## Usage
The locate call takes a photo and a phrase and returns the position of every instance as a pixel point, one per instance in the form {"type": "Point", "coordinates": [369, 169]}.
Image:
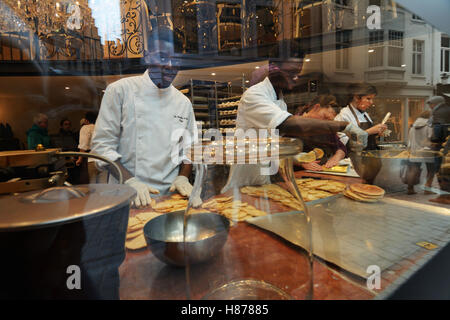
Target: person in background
{"type": "Point", "coordinates": [418, 140]}
{"type": "Point", "coordinates": [439, 122]}
{"type": "Point", "coordinates": [38, 133]}
{"type": "Point", "coordinates": [88, 165]}
{"type": "Point", "coordinates": [145, 121]}
{"type": "Point", "coordinates": [360, 100]}
{"type": "Point", "coordinates": [262, 106]}
{"type": "Point", "coordinates": [65, 139]}
{"type": "Point", "coordinates": [322, 108]}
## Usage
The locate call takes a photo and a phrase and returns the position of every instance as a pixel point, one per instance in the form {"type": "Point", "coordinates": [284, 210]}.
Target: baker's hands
{"type": "Point", "coordinates": [332, 162]}
{"type": "Point", "coordinates": [182, 185]}
{"type": "Point", "coordinates": [313, 166]}
{"type": "Point", "coordinates": [377, 129]}
{"type": "Point", "coordinates": [143, 198]}
{"type": "Point", "coordinates": [353, 131]}
{"type": "Point", "coordinates": [196, 202]}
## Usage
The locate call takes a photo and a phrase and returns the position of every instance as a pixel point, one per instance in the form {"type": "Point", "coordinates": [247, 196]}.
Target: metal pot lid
{"type": "Point", "coordinates": [55, 206]}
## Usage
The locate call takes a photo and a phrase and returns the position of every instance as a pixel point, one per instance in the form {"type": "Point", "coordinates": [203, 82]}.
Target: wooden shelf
{"type": "Point", "coordinates": [201, 115]}
{"type": "Point", "coordinates": [225, 116]}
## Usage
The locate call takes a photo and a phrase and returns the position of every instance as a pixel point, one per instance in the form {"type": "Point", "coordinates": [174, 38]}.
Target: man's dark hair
{"type": "Point", "coordinates": [91, 116]}
{"type": "Point", "coordinates": [62, 121]}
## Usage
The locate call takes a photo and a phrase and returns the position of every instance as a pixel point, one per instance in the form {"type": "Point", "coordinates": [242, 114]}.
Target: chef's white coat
{"type": "Point", "coordinates": [258, 108]}
{"type": "Point", "coordinates": [86, 133]}
{"type": "Point", "coordinates": [346, 115]}
{"type": "Point", "coordinates": [142, 126]}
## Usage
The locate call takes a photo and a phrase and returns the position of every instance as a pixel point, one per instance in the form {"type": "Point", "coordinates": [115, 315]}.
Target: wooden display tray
{"type": "Point", "coordinates": [26, 158]}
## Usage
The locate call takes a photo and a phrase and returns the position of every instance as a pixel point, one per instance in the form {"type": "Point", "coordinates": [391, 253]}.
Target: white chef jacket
{"type": "Point", "coordinates": [260, 109]}
{"type": "Point", "coordinates": [347, 115]}
{"type": "Point", "coordinates": [257, 109]}
{"type": "Point", "coordinates": [142, 126]}
{"type": "Point", "coordinates": [85, 141]}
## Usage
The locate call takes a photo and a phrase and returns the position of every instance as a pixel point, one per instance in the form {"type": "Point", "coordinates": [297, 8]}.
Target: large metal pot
{"type": "Point", "coordinates": [383, 167]}
{"type": "Point", "coordinates": [43, 233]}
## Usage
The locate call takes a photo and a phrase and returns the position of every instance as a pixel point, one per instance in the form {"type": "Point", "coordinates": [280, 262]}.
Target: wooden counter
{"type": "Point", "coordinates": [260, 255]}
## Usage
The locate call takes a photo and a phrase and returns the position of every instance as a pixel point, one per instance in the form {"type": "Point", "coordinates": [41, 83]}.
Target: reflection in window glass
{"type": "Point", "coordinates": [64, 58]}
{"type": "Point", "coordinates": [445, 54]}
{"type": "Point", "coordinates": [396, 107]}
{"type": "Point", "coordinates": [417, 57]}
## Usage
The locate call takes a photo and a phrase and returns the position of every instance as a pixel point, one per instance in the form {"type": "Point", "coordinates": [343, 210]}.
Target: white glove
{"type": "Point", "coordinates": [361, 137]}
{"type": "Point", "coordinates": [197, 202]}
{"type": "Point", "coordinates": [386, 133]}
{"type": "Point", "coordinates": [182, 185]}
{"type": "Point", "coordinates": [143, 198]}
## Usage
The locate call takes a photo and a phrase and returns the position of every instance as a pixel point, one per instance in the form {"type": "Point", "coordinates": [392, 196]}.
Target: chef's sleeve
{"type": "Point", "coordinates": [84, 139]}
{"type": "Point", "coordinates": [105, 141]}
{"type": "Point", "coordinates": [193, 133]}
{"type": "Point", "coordinates": [343, 116]}
{"type": "Point", "coordinates": [261, 112]}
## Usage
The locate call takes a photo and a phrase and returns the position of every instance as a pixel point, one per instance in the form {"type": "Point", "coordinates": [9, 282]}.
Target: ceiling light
{"type": "Point", "coordinates": [307, 60]}
{"type": "Point", "coordinates": [213, 74]}
{"type": "Point", "coordinates": [403, 65]}
{"type": "Point", "coordinates": [247, 81]}
{"type": "Point", "coordinates": [371, 50]}
{"type": "Point", "coordinates": [257, 67]}
{"type": "Point", "coordinates": [67, 88]}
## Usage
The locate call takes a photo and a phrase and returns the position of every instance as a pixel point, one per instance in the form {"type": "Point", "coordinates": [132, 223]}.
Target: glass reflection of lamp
{"type": "Point", "coordinates": [46, 16]}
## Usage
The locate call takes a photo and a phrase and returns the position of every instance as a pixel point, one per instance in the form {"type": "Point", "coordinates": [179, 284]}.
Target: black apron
{"type": "Point", "coordinates": [371, 166]}
{"type": "Point", "coordinates": [371, 139]}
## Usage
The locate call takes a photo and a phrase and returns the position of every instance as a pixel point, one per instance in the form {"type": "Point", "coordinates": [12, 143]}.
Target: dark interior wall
{"type": "Point", "coordinates": [18, 111]}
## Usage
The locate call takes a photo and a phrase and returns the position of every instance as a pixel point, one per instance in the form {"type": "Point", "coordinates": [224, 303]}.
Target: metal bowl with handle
{"type": "Point", "coordinates": [206, 234]}
{"type": "Point", "coordinates": [383, 167]}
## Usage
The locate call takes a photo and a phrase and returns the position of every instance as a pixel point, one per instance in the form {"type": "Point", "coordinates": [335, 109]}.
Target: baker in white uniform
{"type": "Point", "coordinates": [262, 107]}
{"type": "Point", "coordinates": [361, 98]}
{"type": "Point", "coordinates": [143, 124]}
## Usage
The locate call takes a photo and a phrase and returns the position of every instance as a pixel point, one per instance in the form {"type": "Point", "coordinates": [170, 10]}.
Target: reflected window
{"type": "Point", "coordinates": [417, 58]}
{"type": "Point", "coordinates": [343, 44]}
{"type": "Point", "coordinates": [396, 124]}
{"type": "Point", "coordinates": [376, 49]}
{"type": "Point", "coordinates": [445, 54]}
{"type": "Point", "coordinates": [417, 18]}
{"type": "Point", "coordinates": [416, 107]}
{"type": "Point", "coordinates": [343, 3]}
{"type": "Point", "coordinates": [395, 51]}
{"type": "Point", "coordinates": [229, 29]}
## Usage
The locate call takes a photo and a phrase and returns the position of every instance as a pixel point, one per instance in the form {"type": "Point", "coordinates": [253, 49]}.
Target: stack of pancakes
{"type": "Point", "coordinates": [364, 192]}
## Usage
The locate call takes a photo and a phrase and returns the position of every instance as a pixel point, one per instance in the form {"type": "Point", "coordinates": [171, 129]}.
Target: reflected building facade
{"type": "Point", "coordinates": [406, 58]}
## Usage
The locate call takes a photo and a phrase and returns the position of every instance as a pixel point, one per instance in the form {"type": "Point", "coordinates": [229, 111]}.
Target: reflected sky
{"type": "Point", "coordinates": [107, 19]}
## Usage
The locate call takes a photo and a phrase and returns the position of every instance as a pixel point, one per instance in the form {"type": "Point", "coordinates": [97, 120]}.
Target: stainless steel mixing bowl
{"type": "Point", "coordinates": [381, 168]}
{"type": "Point", "coordinates": [206, 234]}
